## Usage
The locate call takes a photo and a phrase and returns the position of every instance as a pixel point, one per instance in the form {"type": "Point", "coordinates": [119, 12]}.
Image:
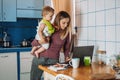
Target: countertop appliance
{"type": "Point", "coordinates": [6, 40]}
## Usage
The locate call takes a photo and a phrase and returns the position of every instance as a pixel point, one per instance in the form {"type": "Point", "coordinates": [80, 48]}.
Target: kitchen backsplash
{"type": "Point", "coordinates": [20, 30]}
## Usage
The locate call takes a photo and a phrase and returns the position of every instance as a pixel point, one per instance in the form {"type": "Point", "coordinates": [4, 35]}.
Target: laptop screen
{"type": "Point", "coordinates": [81, 51]}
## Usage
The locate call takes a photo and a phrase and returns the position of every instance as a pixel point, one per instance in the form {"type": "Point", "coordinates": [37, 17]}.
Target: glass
{"type": "Point", "coordinates": [87, 60]}
{"type": "Point", "coordinates": [101, 56]}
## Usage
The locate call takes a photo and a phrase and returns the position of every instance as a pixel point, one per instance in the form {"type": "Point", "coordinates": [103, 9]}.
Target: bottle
{"type": "Point", "coordinates": [24, 43]}
{"type": "Point", "coordinates": [101, 56]}
{"type": "Point", "coordinates": [6, 40]}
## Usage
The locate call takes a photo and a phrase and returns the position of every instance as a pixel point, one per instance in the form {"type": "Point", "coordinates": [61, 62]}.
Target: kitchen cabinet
{"type": "Point", "coordinates": [7, 10]}
{"type": "Point", "coordinates": [25, 65]}
{"type": "Point", "coordinates": [8, 66]}
{"type": "Point", "coordinates": [31, 9]}
{"type": "Point", "coordinates": [48, 76]}
{"type": "Point", "coordinates": [0, 10]}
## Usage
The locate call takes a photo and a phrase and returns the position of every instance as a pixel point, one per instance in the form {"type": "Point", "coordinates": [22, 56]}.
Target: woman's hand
{"type": "Point", "coordinates": [67, 59]}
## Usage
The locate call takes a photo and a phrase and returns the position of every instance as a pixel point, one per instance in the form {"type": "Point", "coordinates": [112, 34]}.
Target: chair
{"type": "Point", "coordinates": [63, 77]}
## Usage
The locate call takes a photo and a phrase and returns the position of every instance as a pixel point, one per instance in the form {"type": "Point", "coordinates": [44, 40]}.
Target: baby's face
{"type": "Point", "coordinates": [49, 16]}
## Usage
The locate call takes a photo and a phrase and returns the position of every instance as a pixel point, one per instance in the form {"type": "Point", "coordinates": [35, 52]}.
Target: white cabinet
{"type": "Point", "coordinates": [48, 76]}
{"type": "Point", "coordinates": [29, 8]}
{"type": "Point", "coordinates": [8, 10]}
{"type": "Point", "coordinates": [25, 65]}
{"type": "Point", "coordinates": [8, 66]}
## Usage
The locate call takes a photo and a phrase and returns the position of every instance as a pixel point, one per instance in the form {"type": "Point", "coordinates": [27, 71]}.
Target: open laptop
{"type": "Point", "coordinates": [81, 51]}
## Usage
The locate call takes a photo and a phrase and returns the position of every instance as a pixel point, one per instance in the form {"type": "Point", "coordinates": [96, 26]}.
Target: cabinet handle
{"type": "Point", "coordinates": [4, 18]}
{"type": "Point", "coordinates": [4, 14]}
{"type": "Point", "coordinates": [4, 56]}
{"type": "Point", "coordinates": [25, 73]}
{"type": "Point", "coordinates": [0, 16]}
{"type": "Point", "coordinates": [29, 6]}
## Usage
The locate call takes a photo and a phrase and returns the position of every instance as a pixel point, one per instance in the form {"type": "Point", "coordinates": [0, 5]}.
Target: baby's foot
{"type": "Point", "coordinates": [32, 52]}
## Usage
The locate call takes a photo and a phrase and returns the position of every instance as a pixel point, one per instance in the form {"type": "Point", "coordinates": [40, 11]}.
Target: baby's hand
{"type": "Point", "coordinates": [67, 59]}
{"type": "Point", "coordinates": [48, 39]}
{"type": "Point", "coordinates": [42, 41]}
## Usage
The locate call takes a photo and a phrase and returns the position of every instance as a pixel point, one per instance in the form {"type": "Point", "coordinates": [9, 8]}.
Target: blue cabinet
{"type": "Point", "coordinates": [30, 4]}
{"type": "Point", "coordinates": [7, 10]}
{"type": "Point", "coordinates": [29, 8]}
{"type": "Point", "coordinates": [0, 10]}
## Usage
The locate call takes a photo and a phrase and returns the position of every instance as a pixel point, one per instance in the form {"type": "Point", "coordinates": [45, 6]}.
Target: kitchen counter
{"type": "Point", "coordinates": [15, 49]}
{"type": "Point", "coordinates": [81, 73]}
{"type": "Point", "coordinates": [21, 56]}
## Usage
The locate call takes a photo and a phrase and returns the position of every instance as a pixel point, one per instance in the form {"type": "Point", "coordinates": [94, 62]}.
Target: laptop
{"type": "Point", "coordinates": [81, 51]}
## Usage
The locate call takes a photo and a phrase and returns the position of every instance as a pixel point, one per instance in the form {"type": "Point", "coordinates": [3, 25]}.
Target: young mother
{"type": "Point", "coordinates": [60, 39]}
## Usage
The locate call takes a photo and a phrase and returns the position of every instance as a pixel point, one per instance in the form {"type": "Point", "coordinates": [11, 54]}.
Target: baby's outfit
{"type": "Point", "coordinates": [48, 31]}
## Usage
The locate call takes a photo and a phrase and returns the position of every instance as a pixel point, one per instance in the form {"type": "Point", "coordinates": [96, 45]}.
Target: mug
{"type": "Point", "coordinates": [87, 60]}
{"type": "Point", "coordinates": [74, 62]}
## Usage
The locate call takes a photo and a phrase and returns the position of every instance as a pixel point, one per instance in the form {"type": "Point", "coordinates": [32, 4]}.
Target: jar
{"type": "Point", "coordinates": [101, 56]}
{"type": "Point", "coordinates": [24, 43]}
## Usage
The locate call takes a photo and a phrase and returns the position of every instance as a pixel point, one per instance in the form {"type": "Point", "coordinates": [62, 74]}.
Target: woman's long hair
{"type": "Point", "coordinates": [61, 15]}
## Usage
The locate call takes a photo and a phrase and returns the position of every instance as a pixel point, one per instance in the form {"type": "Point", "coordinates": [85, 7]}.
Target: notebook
{"type": "Point", "coordinates": [81, 51]}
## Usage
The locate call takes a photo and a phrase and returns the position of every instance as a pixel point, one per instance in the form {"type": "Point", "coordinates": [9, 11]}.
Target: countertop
{"type": "Point", "coordinates": [15, 49]}
{"type": "Point", "coordinates": [83, 72]}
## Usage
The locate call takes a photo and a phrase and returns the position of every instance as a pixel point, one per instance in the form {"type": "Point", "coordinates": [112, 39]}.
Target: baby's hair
{"type": "Point", "coordinates": [46, 10]}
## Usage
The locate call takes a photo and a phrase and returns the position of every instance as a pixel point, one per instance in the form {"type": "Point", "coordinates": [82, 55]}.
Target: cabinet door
{"type": "Point", "coordinates": [48, 76]}
{"type": "Point", "coordinates": [30, 4]}
{"type": "Point", "coordinates": [25, 65]}
{"type": "Point", "coordinates": [8, 66]}
{"type": "Point", "coordinates": [25, 76]}
{"type": "Point", "coordinates": [0, 10]}
{"type": "Point", "coordinates": [29, 10]}
{"type": "Point", "coordinates": [28, 14]}
{"type": "Point", "coordinates": [9, 10]}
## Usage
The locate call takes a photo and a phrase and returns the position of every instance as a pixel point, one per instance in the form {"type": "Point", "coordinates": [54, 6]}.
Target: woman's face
{"type": "Point", "coordinates": [64, 23]}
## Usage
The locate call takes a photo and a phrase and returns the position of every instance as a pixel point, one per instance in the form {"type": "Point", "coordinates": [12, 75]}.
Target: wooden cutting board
{"type": "Point", "coordinates": [103, 76]}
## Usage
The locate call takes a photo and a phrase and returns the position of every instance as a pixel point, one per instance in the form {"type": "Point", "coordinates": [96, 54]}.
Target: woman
{"type": "Point", "coordinates": [60, 39]}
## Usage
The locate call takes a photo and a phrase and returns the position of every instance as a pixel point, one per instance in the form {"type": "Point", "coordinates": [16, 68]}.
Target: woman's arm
{"type": "Point", "coordinates": [67, 49]}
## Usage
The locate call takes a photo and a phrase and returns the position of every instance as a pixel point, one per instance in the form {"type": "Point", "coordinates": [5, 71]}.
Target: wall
{"type": "Point", "coordinates": [98, 23]}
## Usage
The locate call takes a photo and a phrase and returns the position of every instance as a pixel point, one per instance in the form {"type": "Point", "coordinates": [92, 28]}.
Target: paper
{"type": "Point", "coordinates": [58, 66]}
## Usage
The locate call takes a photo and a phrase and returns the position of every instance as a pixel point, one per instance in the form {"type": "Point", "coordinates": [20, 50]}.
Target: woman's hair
{"type": "Point", "coordinates": [61, 15]}
{"type": "Point", "coordinates": [46, 10]}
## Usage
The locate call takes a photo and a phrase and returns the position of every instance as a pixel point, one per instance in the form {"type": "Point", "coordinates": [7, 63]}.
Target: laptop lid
{"type": "Point", "coordinates": [81, 51]}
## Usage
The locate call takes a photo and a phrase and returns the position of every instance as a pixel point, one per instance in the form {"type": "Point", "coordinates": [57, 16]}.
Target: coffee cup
{"type": "Point", "coordinates": [74, 62]}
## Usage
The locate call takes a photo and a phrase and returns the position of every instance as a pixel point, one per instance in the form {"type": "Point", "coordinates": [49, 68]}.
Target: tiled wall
{"type": "Point", "coordinates": [98, 23]}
